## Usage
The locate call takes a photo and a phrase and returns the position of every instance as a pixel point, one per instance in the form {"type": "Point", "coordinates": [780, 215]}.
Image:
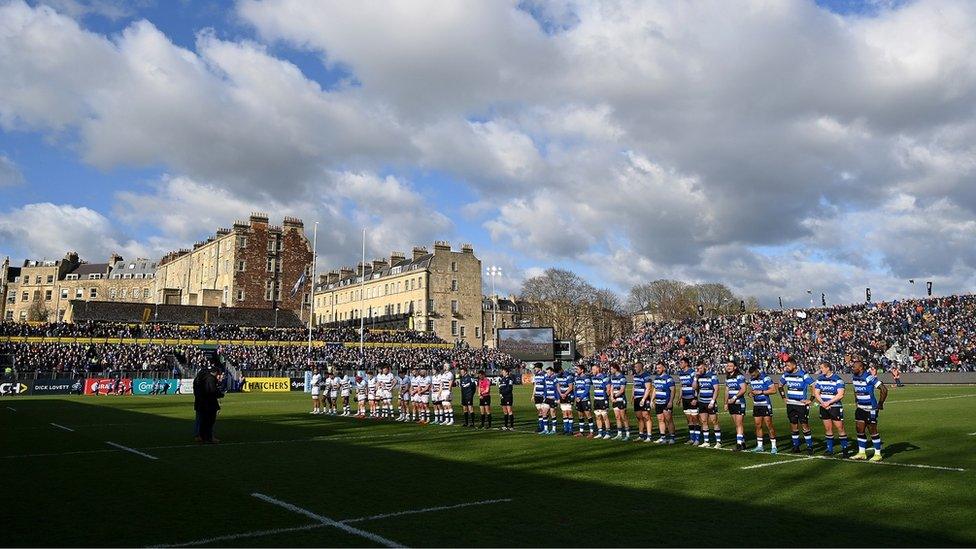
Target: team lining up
{"type": "Point", "coordinates": [426, 398]}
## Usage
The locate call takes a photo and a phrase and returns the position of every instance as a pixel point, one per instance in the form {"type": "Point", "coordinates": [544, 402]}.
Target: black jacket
{"type": "Point", "coordinates": [206, 391]}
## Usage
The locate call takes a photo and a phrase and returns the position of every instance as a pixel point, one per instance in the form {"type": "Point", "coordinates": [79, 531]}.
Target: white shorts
{"type": "Point", "coordinates": [386, 395]}
{"type": "Point", "coordinates": [345, 393]}
{"type": "Point", "coordinates": [371, 396]}
{"type": "Point", "coordinates": [333, 394]}
{"type": "Point", "coordinates": [360, 398]}
{"type": "Point", "coordinates": [566, 407]}
{"type": "Point", "coordinates": [315, 392]}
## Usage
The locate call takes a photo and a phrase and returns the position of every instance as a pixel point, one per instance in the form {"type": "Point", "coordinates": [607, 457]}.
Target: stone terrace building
{"type": "Point", "coordinates": [33, 293]}
{"type": "Point", "coordinates": [253, 265]}
{"type": "Point", "coordinates": [436, 292]}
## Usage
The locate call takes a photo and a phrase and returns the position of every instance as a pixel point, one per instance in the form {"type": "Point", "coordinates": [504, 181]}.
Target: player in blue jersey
{"type": "Point", "coordinates": [829, 393]}
{"type": "Point", "coordinates": [618, 395]}
{"type": "Point", "coordinates": [643, 395]}
{"type": "Point", "coordinates": [564, 388]}
{"type": "Point", "coordinates": [735, 401]}
{"type": "Point", "coordinates": [549, 397]}
{"type": "Point", "coordinates": [538, 390]}
{"type": "Point", "coordinates": [584, 412]}
{"type": "Point", "coordinates": [707, 394]}
{"type": "Point", "coordinates": [868, 405]}
{"type": "Point", "coordinates": [761, 387]}
{"type": "Point", "coordinates": [664, 403]}
{"type": "Point", "coordinates": [686, 375]}
{"type": "Point", "coordinates": [793, 386]}
{"type": "Point", "coordinates": [601, 401]}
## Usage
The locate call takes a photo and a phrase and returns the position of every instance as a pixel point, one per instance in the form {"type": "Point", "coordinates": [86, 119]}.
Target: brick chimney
{"type": "Point", "coordinates": [442, 246]}
{"type": "Point", "coordinates": [345, 273]}
{"type": "Point", "coordinates": [419, 251]}
{"type": "Point", "coordinates": [379, 264]}
{"type": "Point", "coordinates": [333, 276]}
{"type": "Point", "coordinates": [467, 249]}
{"type": "Point", "coordinates": [396, 257]}
{"type": "Point", "coordinates": [258, 219]}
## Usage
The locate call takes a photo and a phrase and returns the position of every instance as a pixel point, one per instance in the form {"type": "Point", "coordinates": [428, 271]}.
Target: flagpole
{"type": "Point", "coordinates": [362, 319]}
{"type": "Point", "coordinates": [311, 306]}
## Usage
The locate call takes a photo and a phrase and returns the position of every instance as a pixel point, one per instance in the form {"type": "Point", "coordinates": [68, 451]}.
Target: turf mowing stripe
{"type": "Point", "coordinates": [55, 454]}
{"type": "Point", "coordinates": [770, 464]}
{"type": "Point", "coordinates": [133, 450]}
{"type": "Point", "coordinates": [426, 510]}
{"type": "Point", "coordinates": [243, 535]}
{"type": "Point", "coordinates": [327, 521]}
{"type": "Point", "coordinates": [63, 427]}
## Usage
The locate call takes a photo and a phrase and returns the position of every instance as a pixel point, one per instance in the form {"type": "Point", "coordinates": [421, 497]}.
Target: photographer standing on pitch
{"type": "Point", "coordinates": [207, 391]}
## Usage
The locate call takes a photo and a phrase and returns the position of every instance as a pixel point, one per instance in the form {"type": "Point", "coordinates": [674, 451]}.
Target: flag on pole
{"type": "Point", "coordinates": [299, 284]}
{"type": "Point", "coordinates": [928, 286]}
{"type": "Point", "coordinates": [911, 281]}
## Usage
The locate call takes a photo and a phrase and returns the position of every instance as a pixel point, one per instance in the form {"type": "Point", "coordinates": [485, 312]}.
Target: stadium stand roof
{"type": "Point", "coordinates": [135, 313]}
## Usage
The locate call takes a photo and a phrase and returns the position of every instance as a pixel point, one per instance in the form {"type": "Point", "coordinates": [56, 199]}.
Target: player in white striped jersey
{"type": "Point", "coordinates": [345, 388]}
{"type": "Point", "coordinates": [384, 392]}
{"type": "Point", "coordinates": [333, 383]}
{"type": "Point", "coordinates": [361, 389]}
{"type": "Point", "coordinates": [435, 398]}
{"type": "Point", "coordinates": [422, 396]}
{"type": "Point", "coordinates": [447, 382]}
{"type": "Point", "coordinates": [316, 391]}
{"type": "Point", "coordinates": [371, 393]}
{"type": "Point", "coordinates": [404, 383]}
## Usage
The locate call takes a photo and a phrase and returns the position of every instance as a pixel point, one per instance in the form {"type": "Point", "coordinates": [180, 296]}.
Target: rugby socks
{"type": "Point", "coordinates": [862, 443]}
{"type": "Point", "coordinates": [466, 414]}
{"type": "Point", "coordinates": [569, 426]}
{"type": "Point", "coordinates": [808, 437]}
{"type": "Point", "coordinates": [704, 436]}
{"type": "Point", "coordinates": [795, 435]}
{"type": "Point", "coordinates": [830, 445]}
{"type": "Point", "coordinates": [759, 442]}
{"type": "Point", "coordinates": [511, 421]}
{"type": "Point", "coordinates": [582, 426]}
{"type": "Point", "coordinates": [740, 439]}
{"type": "Point", "coordinates": [876, 439]}
{"type": "Point", "coordinates": [843, 442]}
{"type": "Point", "coordinates": [718, 436]}
{"type": "Point", "coordinates": [489, 420]}
{"type": "Point", "coordinates": [772, 444]}
{"type": "Point", "coordinates": [591, 426]}
{"type": "Point", "coordinates": [482, 421]}
{"type": "Point", "coordinates": [542, 425]}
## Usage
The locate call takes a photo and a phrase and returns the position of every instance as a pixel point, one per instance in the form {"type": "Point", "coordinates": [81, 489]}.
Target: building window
{"type": "Point", "coordinates": [9, 315]}
{"type": "Point", "coordinates": [271, 244]}
{"type": "Point", "coordinates": [454, 327]}
{"type": "Point", "coordinates": [64, 293]}
{"type": "Point", "coordinates": [50, 279]}
{"type": "Point", "coordinates": [98, 276]}
{"type": "Point", "coordinates": [430, 305]}
{"type": "Point", "coordinates": [462, 331]}
{"type": "Point", "coordinates": [112, 293]}
{"type": "Point", "coordinates": [455, 306]}
{"type": "Point", "coordinates": [242, 242]}
{"type": "Point", "coordinates": [47, 295]}
{"type": "Point", "coordinates": [430, 325]}
{"type": "Point", "coordinates": [241, 265]}
{"type": "Point", "coordinates": [270, 265]}
{"type": "Point", "coordinates": [240, 295]}
{"type": "Point", "coordinates": [268, 290]}
{"type": "Point", "coordinates": [79, 293]}
{"type": "Point", "coordinates": [127, 276]}
{"type": "Point", "coordinates": [93, 293]}
{"type": "Point", "coordinates": [24, 296]}
{"type": "Point", "coordinates": [37, 279]}
{"type": "Point", "coordinates": [71, 277]}
{"type": "Point", "coordinates": [477, 332]}
{"type": "Point", "coordinates": [420, 282]}
{"type": "Point", "coordinates": [145, 293]}
{"type": "Point", "coordinates": [454, 285]}
{"type": "Point", "coordinates": [23, 316]}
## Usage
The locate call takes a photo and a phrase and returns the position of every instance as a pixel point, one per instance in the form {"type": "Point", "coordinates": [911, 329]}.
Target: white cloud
{"type": "Point", "coordinates": [47, 231]}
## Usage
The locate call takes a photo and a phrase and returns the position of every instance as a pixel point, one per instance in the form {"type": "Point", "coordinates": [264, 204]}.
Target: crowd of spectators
{"type": "Point", "coordinates": [78, 360]}
{"type": "Point", "coordinates": [925, 335]}
{"type": "Point", "coordinates": [349, 358]}
{"type": "Point", "coordinates": [210, 331]}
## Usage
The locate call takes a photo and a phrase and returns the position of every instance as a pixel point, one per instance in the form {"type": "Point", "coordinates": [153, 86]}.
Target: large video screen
{"type": "Point", "coordinates": [527, 344]}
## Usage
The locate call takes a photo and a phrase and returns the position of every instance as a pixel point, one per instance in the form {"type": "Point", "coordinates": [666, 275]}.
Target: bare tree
{"type": "Point", "coordinates": [716, 299]}
{"type": "Point", "coordinates": [38, 312]}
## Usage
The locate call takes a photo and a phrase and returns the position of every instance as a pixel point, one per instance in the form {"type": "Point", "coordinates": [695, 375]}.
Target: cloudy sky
{"type": "Point", "coordinates": [777, 147]}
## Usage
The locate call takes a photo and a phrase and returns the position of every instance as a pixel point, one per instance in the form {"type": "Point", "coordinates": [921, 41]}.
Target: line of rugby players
{"type": "Point", "coordinates": [426, 398]}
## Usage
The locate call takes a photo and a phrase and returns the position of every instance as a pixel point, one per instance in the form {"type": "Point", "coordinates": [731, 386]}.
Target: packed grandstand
{"type": "Point", "coordinates": [929, 335]}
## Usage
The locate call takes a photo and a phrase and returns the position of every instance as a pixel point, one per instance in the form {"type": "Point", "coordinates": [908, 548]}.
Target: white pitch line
{"type": "Point", "coordinates": [327, 521]}
{"type": "Point", "coordinates": [63, 427]}
{"type": "Point", "coordinates": [853, 462]}
{"type": "Point", "coordinates": [317, 525]}
{"type": "Point", "coordinates": [243, 535]}
{"type": "Point", "coordinates": [930, 399]}
{"type": "Point", "coordinates": [11, 409]}
{"type": "Point", "coordinates": [133, 450]}
{"type": "Point", "coordinates": [425, 510]}
{"type": "Point", "coordinates": [770, 464]}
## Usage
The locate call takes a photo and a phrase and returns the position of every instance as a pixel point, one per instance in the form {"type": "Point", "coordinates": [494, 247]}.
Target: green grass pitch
{"type": "Point", "coordinates": [330, 477]}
